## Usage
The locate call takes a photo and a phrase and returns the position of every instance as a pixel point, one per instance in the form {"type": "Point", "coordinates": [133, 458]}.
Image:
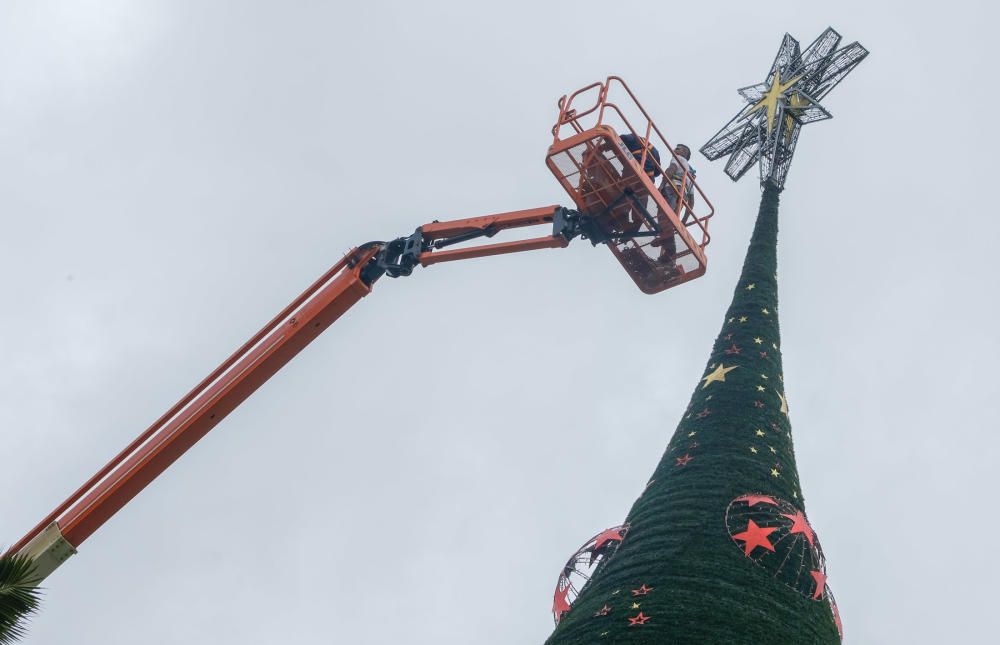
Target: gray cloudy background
{"type": "Point", "coordinates": [173, 173]}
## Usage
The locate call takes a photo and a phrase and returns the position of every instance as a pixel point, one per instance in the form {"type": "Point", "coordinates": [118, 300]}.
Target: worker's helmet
{"type": "Point", "coordinates": [683, 151]}
{"type": "Point", "coordinates": [636, 145]}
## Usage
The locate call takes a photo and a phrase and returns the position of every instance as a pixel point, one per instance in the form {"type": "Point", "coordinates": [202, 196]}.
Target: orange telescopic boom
{"type": "Point", "coordinates": [617, 204]}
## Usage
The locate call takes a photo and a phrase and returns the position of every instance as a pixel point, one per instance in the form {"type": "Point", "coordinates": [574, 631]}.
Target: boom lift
{"type": "Point", "coordinates": [617, 203]}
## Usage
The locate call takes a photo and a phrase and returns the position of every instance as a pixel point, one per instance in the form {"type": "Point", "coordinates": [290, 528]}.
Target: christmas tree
{"type": "Point", "coordinates": [718, 548]}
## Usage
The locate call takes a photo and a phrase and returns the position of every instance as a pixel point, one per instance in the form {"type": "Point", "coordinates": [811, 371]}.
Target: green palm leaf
{"type": "Point", "coordinates": [19, 596]}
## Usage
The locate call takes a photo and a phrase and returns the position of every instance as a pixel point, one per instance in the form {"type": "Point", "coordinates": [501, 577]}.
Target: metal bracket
{"type": "Point", "coordinates": [396, 258]}
{"type": "Point", "coordinates": [47, 551]}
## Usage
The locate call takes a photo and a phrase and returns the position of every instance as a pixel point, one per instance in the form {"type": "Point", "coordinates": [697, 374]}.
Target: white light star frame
{"type": "Point", "coordinates": [767, 129]}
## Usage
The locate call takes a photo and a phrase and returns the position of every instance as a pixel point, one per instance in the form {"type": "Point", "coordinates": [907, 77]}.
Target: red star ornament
{"type": "Point", "coordinates": [639, 619]}
{"type": "Point", "coordinates": [683, 461]}
{"type": "Point", "coordinates": [753, 500]}
{"type": "Point", "coordinates": [733, 350]}
{"type": "Point", "coordinates": [820, 579]}
{"type": "Point", "coordinates": [800, 525]}
{"type": "Point", "coordinates": [755, 536]}
{"type": "Point", "coordinates": [603, 611]}
{"type": "Point", "coordinates": [642, 591]}
{"type": "Point", "coordinates": [704, 413]}
{"type": "Point", "coordinates": [611, 535]}
{"type": "Point", "coordinates": [560, 605]}
{"type": "Point", "coordinates": [836, 617]}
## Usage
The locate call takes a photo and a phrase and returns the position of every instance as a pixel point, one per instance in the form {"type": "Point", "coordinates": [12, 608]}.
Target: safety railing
{"type": "Point", "coordinates": [613, 105]}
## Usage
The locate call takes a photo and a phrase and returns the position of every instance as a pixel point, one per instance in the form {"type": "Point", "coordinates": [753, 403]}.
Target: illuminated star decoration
{"type": "Point", "coordinates": [752, 500]}
{"type": "Point", "coordinates": [604, 540]}
{"type": "Point", "coordinates": [639, 619]}
{"type": "Point", "coordinates": [820, 578]}
{"type": "Point", "coordinates": [755, 536]}
{"type": "Point", "coordinates": [642, 591]}
{"type": "Point", "coordinates": [560, 604]}
{"type": "Point", "coordinates": [767, 129]}
{"type": "Point", "coordinates": [800, 525]}
{"type": "Point", "coordinates": [718, 375]}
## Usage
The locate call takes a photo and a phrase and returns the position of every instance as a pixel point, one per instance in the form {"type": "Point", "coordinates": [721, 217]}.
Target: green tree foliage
{"type": "Point", "coordinates": [19, 596]}
{"type": "Point", "coordinates": [718, 549]}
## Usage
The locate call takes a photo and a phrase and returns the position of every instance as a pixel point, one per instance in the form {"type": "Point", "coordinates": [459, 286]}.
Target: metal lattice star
{"type": "Point", "coordinates": [767, 129]}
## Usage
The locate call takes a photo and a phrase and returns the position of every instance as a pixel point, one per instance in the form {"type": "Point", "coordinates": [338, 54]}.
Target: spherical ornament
{"type": "Point", "coordinates": [581, 566]}
{"type": "Point", "coordinates": [776, 536]}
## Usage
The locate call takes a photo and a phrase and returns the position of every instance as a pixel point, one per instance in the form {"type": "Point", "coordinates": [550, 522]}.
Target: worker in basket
{"type": "Point", "coordinates": [636, 146]}
{"type": "Point", "coordinates": [601, 184]}
{"type": "Point", "coordinates": [678, 179]}
{"type": "Point", "coordinates": [639, 146]}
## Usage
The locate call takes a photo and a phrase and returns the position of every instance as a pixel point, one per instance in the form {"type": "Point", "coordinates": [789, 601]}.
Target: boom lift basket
{"type": "Point", "coordinates": [660, 246]}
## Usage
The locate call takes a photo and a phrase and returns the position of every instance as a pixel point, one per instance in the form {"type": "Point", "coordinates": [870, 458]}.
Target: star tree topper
{"type": "Point", "coordinates": [767, 129]}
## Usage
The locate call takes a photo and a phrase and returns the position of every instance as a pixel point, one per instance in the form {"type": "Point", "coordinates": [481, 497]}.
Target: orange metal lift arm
{"type": "Point", "coordinates": [56, 537]}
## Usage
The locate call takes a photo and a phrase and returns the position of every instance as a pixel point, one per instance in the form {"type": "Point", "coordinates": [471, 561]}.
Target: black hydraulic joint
{"type": "Point", "coordinates": [396, 258]}
{"type": "Point", "coordinates": [567, 223]}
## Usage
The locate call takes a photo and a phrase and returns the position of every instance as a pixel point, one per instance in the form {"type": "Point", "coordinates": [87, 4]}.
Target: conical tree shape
{"type": "Point", "coordinates": [718, 548]}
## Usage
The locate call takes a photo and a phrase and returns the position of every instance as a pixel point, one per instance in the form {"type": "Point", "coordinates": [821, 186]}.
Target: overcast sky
{"type": "Point", "coordinates": [173, 173]}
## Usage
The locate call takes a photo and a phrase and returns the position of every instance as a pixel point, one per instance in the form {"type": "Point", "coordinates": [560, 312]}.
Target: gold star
{"type": "Point", "coordinates": [758, 340]}
{"type": "Point", "coordinates": [775, 473]}
{"type": "Point", "coordinates": [750, 286]}
{"type": "Point", "coordinates": [773, 450]}
{"type": "Point", "coordinates": [795, 495]}
{"type": "Point", "coordinates": [764, 376]}
{"type": "Point", "coordinates": [615, 592]}
{"type": "Point", "coordinates": [692, 433]}
{"type": "Point", "coordinates": [789, 125]}
{"type": "Point", "coordinates": [764, 311]}
{"type": "Point", "coordinates": [784, 403]}
{"type": "Point", "coordinates": [731, 319]}
{"type": "Point", "coordinates": [753, 450]}
{"type": "Point", "coordinates": [718, 375]}
{"type": "Point", "coordinates": [743, 319]}
{"type": "Point", "coordinates": [774, 345]}
{"type": "Point", "coordinates": [760, 433]}
{"type": "Point", "coordinates": [769, 102]}
{"type": "Point", "coordinates": [760, 388]}
{"type": "Point", "coordinates": [708, 398]}
{"type": "Point", "coordinates": [635, 605]}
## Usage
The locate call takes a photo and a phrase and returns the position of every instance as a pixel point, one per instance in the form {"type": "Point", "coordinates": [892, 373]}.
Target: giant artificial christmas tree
{"type": "Point", "coordinates": [718, 548]}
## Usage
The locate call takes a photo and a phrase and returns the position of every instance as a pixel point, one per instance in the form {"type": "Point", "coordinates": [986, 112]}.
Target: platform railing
{"type": "Point", "coordinates": [607, 112]}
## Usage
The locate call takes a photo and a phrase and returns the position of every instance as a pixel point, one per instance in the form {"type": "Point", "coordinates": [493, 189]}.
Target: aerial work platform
{"type": "Point", "coordinates": [659, 245]}
{"type": "Point", "coordinates": [606, 155]}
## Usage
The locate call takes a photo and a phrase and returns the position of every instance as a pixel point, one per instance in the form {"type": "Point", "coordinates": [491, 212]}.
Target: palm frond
{"type": "Point", "coordinates": [19, 596]}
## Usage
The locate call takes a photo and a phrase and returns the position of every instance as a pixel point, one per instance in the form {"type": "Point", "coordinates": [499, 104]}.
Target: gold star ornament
{"type": "Point", "coordinates": [784, 403]}
{"type": "Point", "coordinates": [719, 375]}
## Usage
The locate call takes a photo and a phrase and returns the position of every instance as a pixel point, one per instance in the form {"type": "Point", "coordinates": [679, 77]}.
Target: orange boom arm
{"type": "Point", "coordinates": [656, 234]}
{"type": "Point", "coordinates": [58, 535]}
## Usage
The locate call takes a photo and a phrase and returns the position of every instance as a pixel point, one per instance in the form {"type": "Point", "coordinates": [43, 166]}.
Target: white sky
{"type": "Point", "coordinates": [173, 173]}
